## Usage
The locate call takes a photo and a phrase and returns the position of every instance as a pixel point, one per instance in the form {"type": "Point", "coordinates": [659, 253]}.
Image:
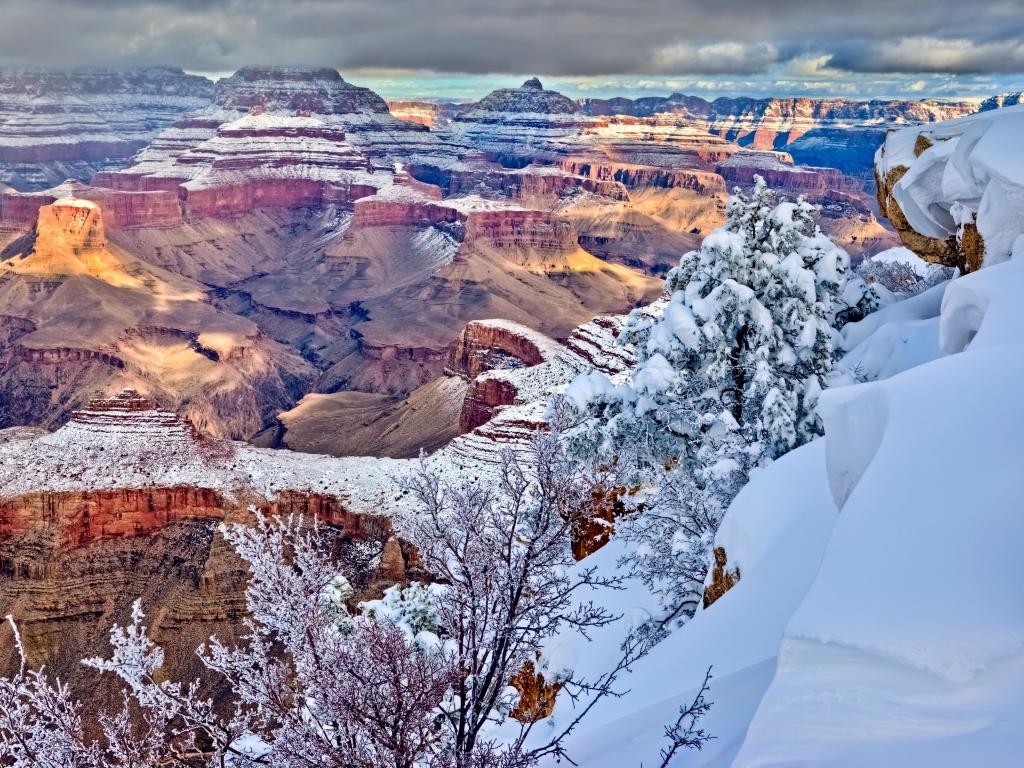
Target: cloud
{"type": "Point", "coordinates": [932, 54]}
{"type": "Point", "coordinates": [579, 38]}
{"type": "Point", "coordinates": [726, 57]}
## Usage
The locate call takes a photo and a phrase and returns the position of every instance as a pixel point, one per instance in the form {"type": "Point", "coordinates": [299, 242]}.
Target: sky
{"type": "Point", "coordinates": [461, 49]}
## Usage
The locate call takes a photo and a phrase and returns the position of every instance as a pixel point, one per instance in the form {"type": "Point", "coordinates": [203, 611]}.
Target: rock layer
{"type": "Point", "coordinates": [60, 124]}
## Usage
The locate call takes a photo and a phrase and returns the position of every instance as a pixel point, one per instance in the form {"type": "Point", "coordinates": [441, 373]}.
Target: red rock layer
{"type": "Point", "coordinates": [122, 209]}
{"type": "Point", "coordinates": [543, 232]}
{"type": "Point", "coordinates": [377, 211]}
{"type": "Point", "coordinates": [796, 180]}
{"type": "Point", "coordinates": [79, 518]}
{"type": "Point", "coordinates": [473, 350]}
{"type": "Point", "coordinates": [331, 511]}
{"type": "Point", "coordinates": [484, 398]}
{"type": "Point", "coordinates": [631, 175]}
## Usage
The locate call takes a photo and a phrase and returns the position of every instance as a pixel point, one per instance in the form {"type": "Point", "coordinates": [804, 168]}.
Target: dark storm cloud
{"type": "Point", "coordinates": [562, 37]}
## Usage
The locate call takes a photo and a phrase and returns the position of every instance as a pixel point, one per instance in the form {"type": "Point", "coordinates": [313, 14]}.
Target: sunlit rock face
{"type": "Point", "coordinates": [429, 113]}
{"type": "Point", "coordinates": [56, 124]}
{"type": "Point", "coordinates": [293, 237]}
{"type": "Point", "coordinates": [70, 224]}
{"type": "Point", "coordinates": [82, 314]}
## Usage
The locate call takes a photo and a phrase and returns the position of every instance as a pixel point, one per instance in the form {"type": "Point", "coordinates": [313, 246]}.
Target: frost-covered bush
{"type": "Point", "coordinates": [507, 583]}
{"type": "Point", "coordinates": [313, 685]}
{"type": "Point", "coordinates": [421, 678]}
{"type": "Point", "coordinates": [901, 271]}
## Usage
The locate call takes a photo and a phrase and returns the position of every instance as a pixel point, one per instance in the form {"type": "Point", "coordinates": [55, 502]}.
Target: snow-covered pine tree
{"type": "Point", "coordinates": [730, 366]}
{"type": "Point", "coordinates": [729, 370]}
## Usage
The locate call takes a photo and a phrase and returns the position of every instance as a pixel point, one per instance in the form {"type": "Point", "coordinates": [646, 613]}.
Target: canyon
{"type": "Point", "coordinates": [283, 233]}
{"type": "Point", "coordinates": [839, 133]}
{"type": "Point", "coordinates": [271, 293]}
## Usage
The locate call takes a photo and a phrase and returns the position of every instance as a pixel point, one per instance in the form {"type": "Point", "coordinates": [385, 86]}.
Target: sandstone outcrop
{"type": "Point", "coordinates": [511, 369]}
{"type": "Point", "coordinates": [633, 176]}
{"type": "Point", "coordinates": [487, 344]}
{"type": "Point", "coordinates": [432, 114]}
{"type": "Point", "coordinates": [948, 191]}
{"type": "Point", "coordinates": [536, 695]}
{"type": "Point", "coordinates": [722, 579]}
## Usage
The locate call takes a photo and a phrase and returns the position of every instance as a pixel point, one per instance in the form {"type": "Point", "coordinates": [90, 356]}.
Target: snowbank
{"type": "Point", "coordinates": [776, 531]}
{"type": "Point", "coordinates": [879, 619]}
{"type": "Point", "coordinates": [908, 649]}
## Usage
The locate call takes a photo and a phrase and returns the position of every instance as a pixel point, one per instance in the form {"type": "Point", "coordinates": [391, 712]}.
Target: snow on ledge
{"type": "Point", "coordinates": [971, 170]}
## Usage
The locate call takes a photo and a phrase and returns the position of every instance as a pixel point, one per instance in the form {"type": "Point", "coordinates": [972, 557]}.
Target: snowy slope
{"type": "Point", "coordinates": [879, 619]}
{"type": "Point", "coordinates": [777, 530]}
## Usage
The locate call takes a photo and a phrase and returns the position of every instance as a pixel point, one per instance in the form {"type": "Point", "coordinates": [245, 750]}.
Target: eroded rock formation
{"type": "Point", "coordinates": [839, 133]}
{"type": "Point", "coordinates": [88, 316]}
{"type": "Point", "coordinates": [60, 124]}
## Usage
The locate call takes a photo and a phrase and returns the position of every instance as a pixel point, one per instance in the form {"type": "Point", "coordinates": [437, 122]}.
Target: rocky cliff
{"type": "Point", "coordinates": [122, 503]}
{"type": "Point", "coordinates": [1002, 100]}
{"type": "Point", "coordinates": [839, 133]}
{"type": "Point", "coordinates": [56, 125]}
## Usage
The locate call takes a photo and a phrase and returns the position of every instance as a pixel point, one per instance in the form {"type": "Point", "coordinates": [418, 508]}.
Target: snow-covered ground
{"type": "Point", "coordinates": [879, 619]}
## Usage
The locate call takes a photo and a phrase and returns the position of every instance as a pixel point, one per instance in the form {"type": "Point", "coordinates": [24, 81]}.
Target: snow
{"type": "Point", "coordinates": [775, 531]}
{"type": "Point", "coordinates": [904, 256]}
{"type": "Point", "coordinates": [972, 172]}
{"type": "Point", "coordinates": [907, 649]}
{"type": "Point", "coordinates": [878, 620]}
{"type": "Point", "coordinates": [899, 336]}
{"type": "Point", "coordinates": [75, 202]}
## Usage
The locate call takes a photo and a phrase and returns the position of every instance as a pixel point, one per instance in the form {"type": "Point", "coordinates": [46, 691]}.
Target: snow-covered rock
{"type": "Point", "coordinates": [57, 124]}
{"type": "Point", "coordinates": [955, 190]}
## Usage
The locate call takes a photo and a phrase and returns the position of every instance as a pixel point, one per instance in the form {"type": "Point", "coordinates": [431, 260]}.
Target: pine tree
{"type": "Point", "coordinates": [731, 365]}
{"type": "Point", "coordinates": [729, 371]}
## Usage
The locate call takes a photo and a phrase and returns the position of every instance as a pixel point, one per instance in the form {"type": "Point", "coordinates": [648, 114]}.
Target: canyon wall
{"type": "Point", "coordinates": [56, 125]}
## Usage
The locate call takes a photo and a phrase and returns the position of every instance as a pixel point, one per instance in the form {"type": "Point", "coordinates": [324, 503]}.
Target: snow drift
{"type": "Point", "coordinates": [879, 618]}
